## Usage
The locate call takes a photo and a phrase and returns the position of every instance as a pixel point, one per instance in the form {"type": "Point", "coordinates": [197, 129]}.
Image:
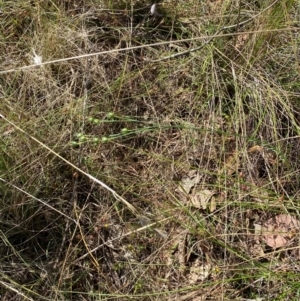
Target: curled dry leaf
{"type": "Point", "coordinates": [189, 181]}
{"type": "Point", "coordinates": [213, 204]}
{"type": "Point", "coordinates": [268, 156]}
{"type": "Point", "coordinates": [231, 164]}
{"type": "Point", "coordinates": [279, 230]}
{"type": "Point", "coordinates": [201, 198]}
{"type": "Point", "coordinates": [199, 272]}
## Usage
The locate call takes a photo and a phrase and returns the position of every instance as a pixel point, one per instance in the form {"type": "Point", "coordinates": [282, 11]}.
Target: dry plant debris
{"type": "Point", "coordinates": [280, 230]}
{"type": "Point", "coordinates": [189, 181]}
{"type": "Point", "coordinates": [190, 193]}
{"type": "Point", "coordinates": [201, 199]}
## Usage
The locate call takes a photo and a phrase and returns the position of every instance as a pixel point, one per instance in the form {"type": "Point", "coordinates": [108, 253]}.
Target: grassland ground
{"type": "Point", "coordinates": [149, 156]}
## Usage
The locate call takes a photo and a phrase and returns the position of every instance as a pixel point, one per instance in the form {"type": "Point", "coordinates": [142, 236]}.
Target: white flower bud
{"type": "Point", "coordinates": [153, 9]}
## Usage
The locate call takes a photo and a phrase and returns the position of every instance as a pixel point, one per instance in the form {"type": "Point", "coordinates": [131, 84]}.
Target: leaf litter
{"type": "Point", "coordinates": [280, 230]}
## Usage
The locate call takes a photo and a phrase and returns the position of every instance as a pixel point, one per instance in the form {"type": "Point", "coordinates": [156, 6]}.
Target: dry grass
{"type": "Point", "coordinates": [224, 118]}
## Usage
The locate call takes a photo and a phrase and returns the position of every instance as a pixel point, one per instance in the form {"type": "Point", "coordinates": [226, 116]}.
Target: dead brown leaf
{"type": "Point", "coordinates": [231, 164]}
{"type": "Point", "coordinates": [278, 231]}
{"type": "Point", "coordinates": [199, 272]}
{"type": "Point", "coordinates": [241, 41]}
{"type": "Point", "coordinates": [189, 181]}
{"type": "Point", "coordinates": [268, 156]}
{"type": "Point", "coordinates": [213, 204]}
{"type": "Point", "coordinates": [200, 199]}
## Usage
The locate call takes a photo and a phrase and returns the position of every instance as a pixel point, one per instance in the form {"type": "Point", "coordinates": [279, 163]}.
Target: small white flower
{"type": "Point", "coordinates": [153, 9]}
{"type": "Point", "coordinates": [37, 59]}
